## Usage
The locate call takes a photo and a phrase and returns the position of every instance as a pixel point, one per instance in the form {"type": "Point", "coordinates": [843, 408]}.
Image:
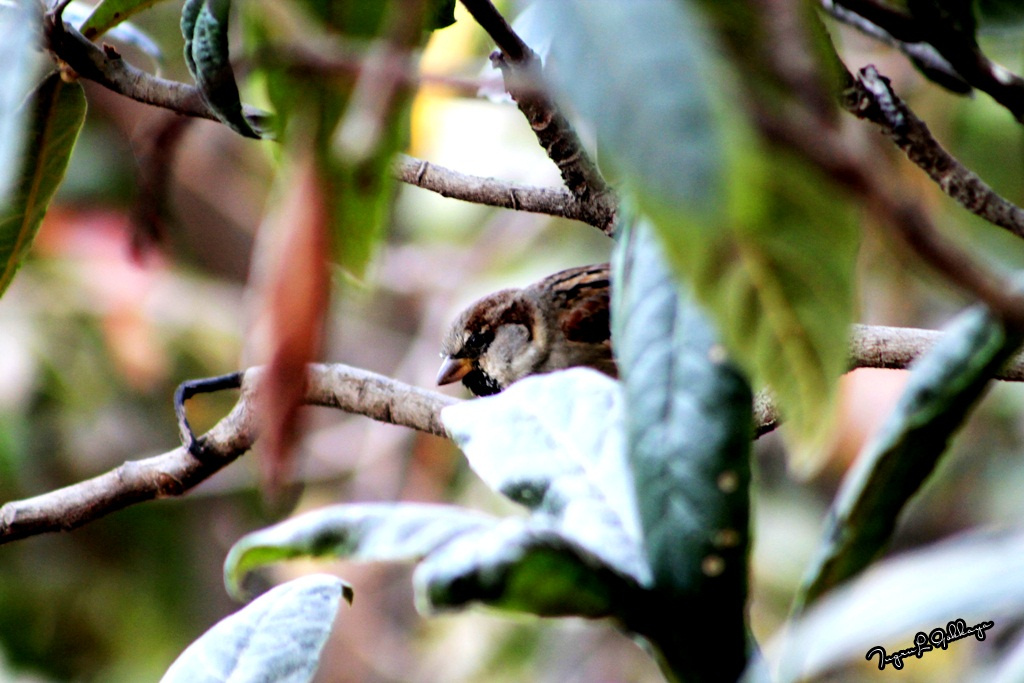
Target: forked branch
{"type": "Point", "coordinates": [361, 393]}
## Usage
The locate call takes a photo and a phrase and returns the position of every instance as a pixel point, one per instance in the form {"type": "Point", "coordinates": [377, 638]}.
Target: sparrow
{"type": "Point", "coordinates": [559, 322]}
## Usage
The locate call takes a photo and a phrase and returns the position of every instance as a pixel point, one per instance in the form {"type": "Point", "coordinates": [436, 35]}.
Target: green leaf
{"type": "Point", "coordinates": [278, 637]}
{"type": "Point", "coordinates": [688, 428]}
{"type": "Point", "coordinates": [779, 277]}
{"type": "Point", "coordinates": [555, 443]}
{"type": "Point", "coordinates": [689, 421]}
{"type": "Point", "coordinates": [524, 567]}
{"type": "Point", "coordinates": [54, 115]}
{"type": "Point", "coordinates": [944, 387]}
{"type": "Point", "coordinates": [639, 71]}
{"type": "Point", "coordinates": [366, 19]}
{"type": "Point", "coordinates": [1000, 13]}
{"type": "Point", "coordinates": [109, 13]}
{"type": "Point", "coordinates": [374, 532]}
{"type": "Point", "coordinates": [757, 235]}
{"type": "Point", "coordinates": [977, 577]}
{"type": "Point", "coordinates": [204, 25]}
{"type": "Point", "coordinates": [189, 16]}
{"type": "Point", "coordinates": [441, 14]}
{"type": "Point", "coordinates": [18, 24]}
{"type": "Point", "coordinates": [360, 186]}
{"type": "Point", "coordinates": [362, 197]}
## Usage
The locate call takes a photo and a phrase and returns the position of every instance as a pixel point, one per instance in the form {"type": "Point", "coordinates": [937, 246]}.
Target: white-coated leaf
{"type": "Point", "coordinates": [555, 443]}
{"type": "Point", "coordinates": [277, 638]}
{"type": "Point", "coordinates": [944, 387]}
{"type": "Point", "coordinates": [525, 566]}
{"type": "Point", "coordinates": [369, 531]}
{"type": "Point", "coordinates": [467, 557]}
{"type": "Point", "coordinates": [977, 577]}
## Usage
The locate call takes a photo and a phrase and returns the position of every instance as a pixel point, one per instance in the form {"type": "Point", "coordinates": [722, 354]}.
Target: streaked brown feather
{"type": "Point", "coordinates": [566, 316]}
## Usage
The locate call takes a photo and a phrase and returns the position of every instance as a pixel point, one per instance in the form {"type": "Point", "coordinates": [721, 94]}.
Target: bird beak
{"type": "Point", "coordinates": [453, 369]}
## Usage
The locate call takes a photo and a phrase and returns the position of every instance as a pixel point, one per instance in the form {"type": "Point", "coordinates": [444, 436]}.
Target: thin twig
{"type": "Point", "coordinates": [924, 55]}
{"type": "Point", "coordinates": [521, 69]}
{"type": "Point", "coordinates": [767, 417]}
{"type": "Point", "coordinates": [958, 47]}
{"type": "Point", "coordinates": [800, 126]}
{"type": "Point", "coordinates": [907, 218]}
{"type": "Point", "coordinates": [897, 24]}
{"type": "Point", "coordinates": [106, 67]}
{"type": "Point", "coordinates": [596, 207]}
{"type": "Point", "coordinates": [492, 192]}
{"type": "Point", "coordinates": [871, 97]}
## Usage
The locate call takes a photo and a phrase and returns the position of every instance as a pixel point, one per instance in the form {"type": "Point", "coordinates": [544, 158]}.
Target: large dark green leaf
{"type": "Point", "coordinates": [54, 116]}
{"type": "Point", "coordinates": [688, 431]}
{"type": "Point", "coordinates": [373, 532]}
{"type": "Point", "coordinates": [639, 71]}
{"type": "Point", "coordinates": [761, 240]}
{"type": "Point", "coordinates": [204, 26]}
{"type": "Point", "coordinates": [555, 443]}
{"type": "Point", "coordinates": [277, 638]}
{"type": "Point", "coordinates": [779, 279]}
{"type": "Point", "coordinates": [18, 24]}
{"type": "Point", "coordinates": [944, 387]}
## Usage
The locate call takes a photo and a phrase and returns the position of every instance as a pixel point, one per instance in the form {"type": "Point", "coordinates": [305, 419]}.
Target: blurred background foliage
{"type": "Point", "coordinates": [93, 341]}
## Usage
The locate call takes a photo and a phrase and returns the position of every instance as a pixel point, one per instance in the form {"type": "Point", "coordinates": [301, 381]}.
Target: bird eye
{"type": "Point", "coordinates": [478, 341]}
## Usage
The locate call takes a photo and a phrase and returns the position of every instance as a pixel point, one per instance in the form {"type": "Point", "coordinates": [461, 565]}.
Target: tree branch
{"type": "Point", "coordinates": [521, 69]}
{"type": "Point", "coordinates": [910, 222]}
{"type": "Point", "coordinates": [800, 126]}
{"type": "Point", "coordinates": [923, 55]}
{"type": "Point", "coordinates": [492, 192]}
{"type": "Point", "coordinates": [175, 472]}
{"type": "Point", "coordinates": [105, 66]}
{"type": "Point", "coordinates": [895, 348]}
{"type": "Point", "coordinates": [870, 97]}
{"type": "Point", "coordinates": [361, 393]}
{"type": "Point", "coordinates": [957, 47]}
{"type": "Point", "coordinates": [594, 207]}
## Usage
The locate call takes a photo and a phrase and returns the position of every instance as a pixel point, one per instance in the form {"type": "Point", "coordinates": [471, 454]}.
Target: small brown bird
{"type": "Point", "coordinates": [559, 322]}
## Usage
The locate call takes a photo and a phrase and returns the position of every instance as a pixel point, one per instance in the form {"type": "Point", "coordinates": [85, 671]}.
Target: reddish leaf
{"type": "Point", "coordinates": [292, 284]}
